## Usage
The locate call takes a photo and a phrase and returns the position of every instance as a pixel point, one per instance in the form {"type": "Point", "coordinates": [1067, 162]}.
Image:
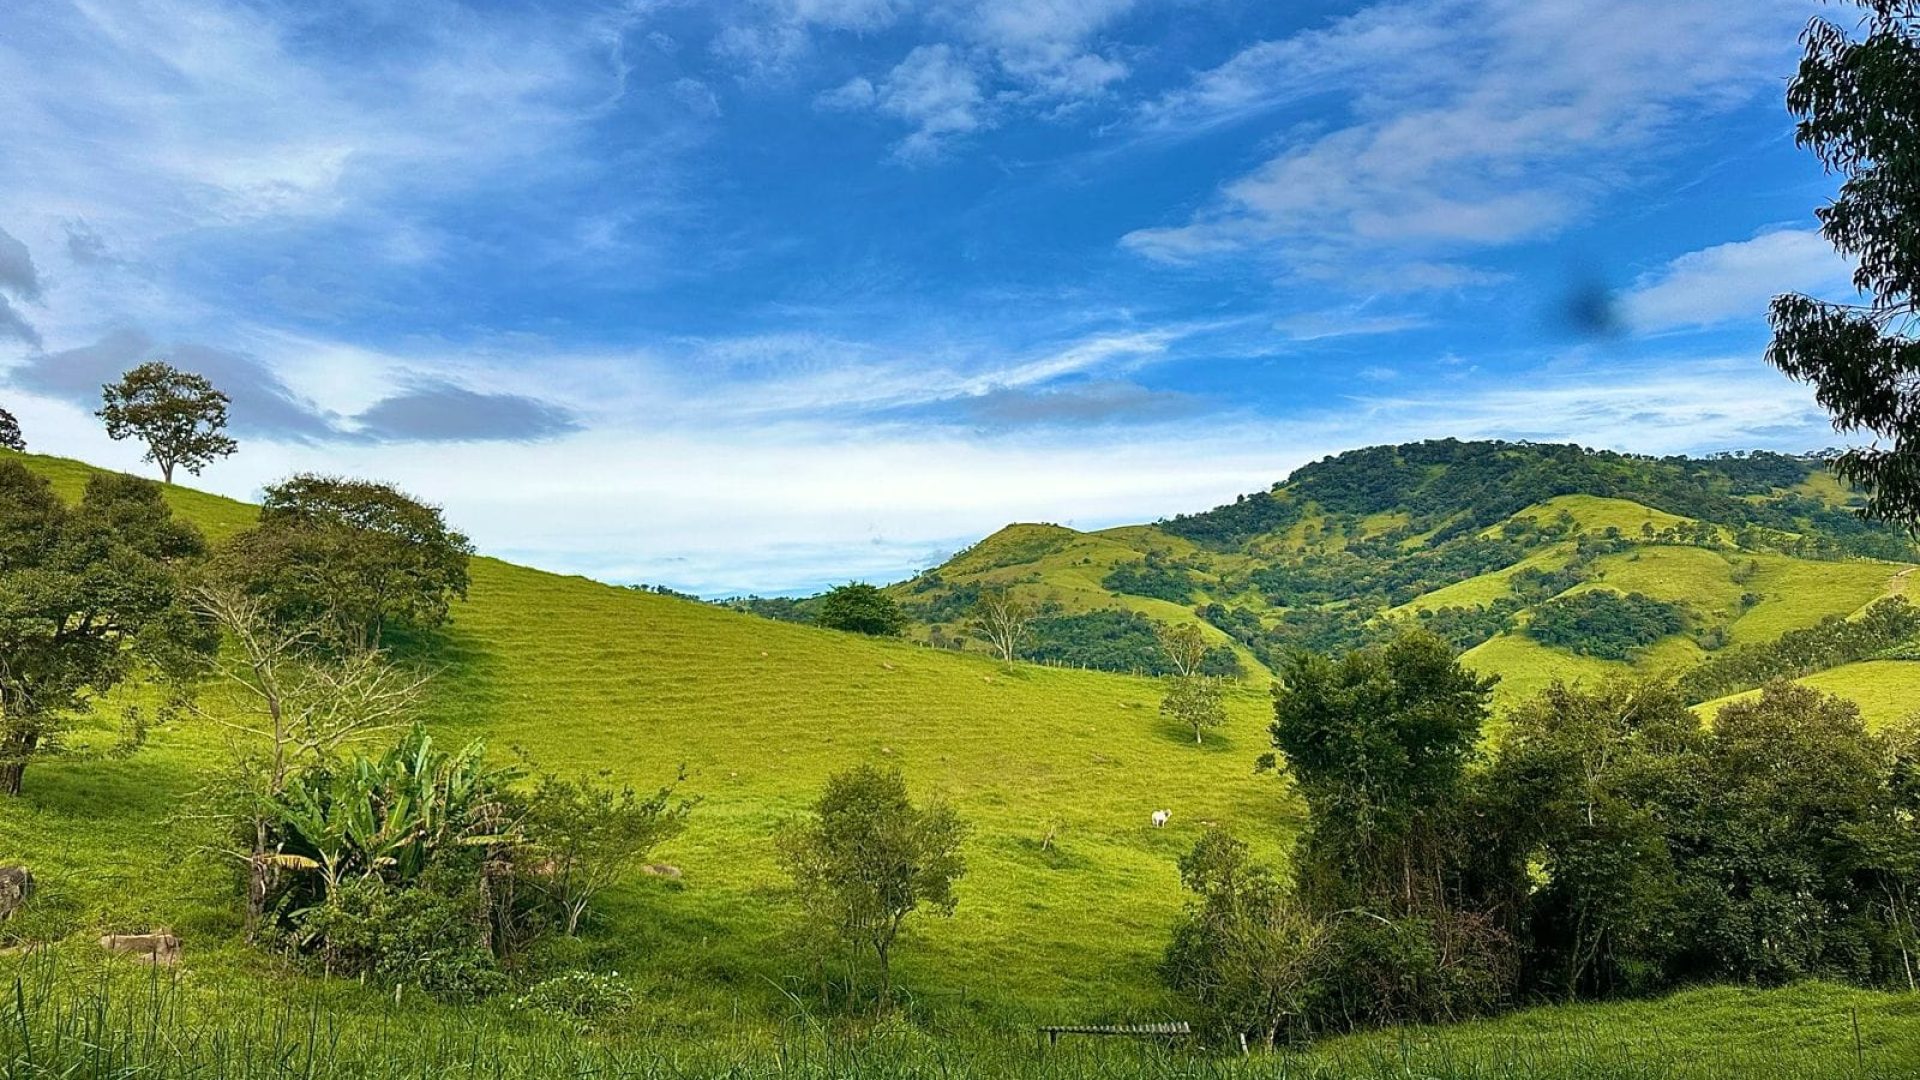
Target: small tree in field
{"type": "Point", "coordinates": [1185, 646]}
{"type": "Point", "coordinates": [1002, 620]}
{"type": "Point", "coordinates": [587, 834]}
{"type": "Point", "coordinates": [1245, 952]}
{"type": "Point", "coordinates": [1195, 701]}
{"type": "Point", "coordinates": [10, 437]}
{"type": "Point", "coordinates": [178, 414]}
{"type": "Point", "coordinates": [866, 858]}
{"type": "Point", "coordinates": [861, 609]}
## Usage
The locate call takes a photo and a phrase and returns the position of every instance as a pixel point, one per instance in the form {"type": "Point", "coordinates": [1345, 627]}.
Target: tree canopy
{"type": "Point", "coordinates": [179, 415]}
{"type": "Point", "coordinates": [1858, 103]}
{"type": "Point", "coordinates": [88, 594]}
{"type": "Point", "coordinates": [861, 608]}
{"type": "Point", "coordinates": [10, 437]}
{"type": "Point", "coordinates": [352, 556]}
{"type": "Point", "coordinates": [866, 858]}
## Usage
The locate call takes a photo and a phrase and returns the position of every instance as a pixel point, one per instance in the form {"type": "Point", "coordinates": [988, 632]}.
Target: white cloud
{"type": "Point", "coordinates": [1346, 322]}
{"type": "Point", "coordinates": [1473, 124]}
{"type": "Point", "coordinates": [1734, 281]}
{"type": "Point", "coordinates": [938, 92]}
{"type": "Point", "coordinates": [771, 36]}
{"type": "Point", "coordinates": [202, 114]}
{"type": "Point", "coordinates": [1042, 45]}
{"type": "Point", "coordinates": [788, 477]}
{"type": "Point", "coordinates": [984, 59]}
{"type": "Point", "coordinates": [854, 94]}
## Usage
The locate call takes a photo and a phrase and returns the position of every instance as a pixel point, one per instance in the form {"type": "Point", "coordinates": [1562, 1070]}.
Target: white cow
{"type": "Point", "coordinates": [1160, 818]}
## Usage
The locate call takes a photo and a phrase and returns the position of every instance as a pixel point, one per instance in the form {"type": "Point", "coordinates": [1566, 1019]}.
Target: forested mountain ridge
{"type": "Point", "coordinates": [1541, 561]}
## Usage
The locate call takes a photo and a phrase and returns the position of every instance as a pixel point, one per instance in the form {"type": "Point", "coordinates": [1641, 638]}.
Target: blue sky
{"type": "Point", "coordinates": [762, 295]}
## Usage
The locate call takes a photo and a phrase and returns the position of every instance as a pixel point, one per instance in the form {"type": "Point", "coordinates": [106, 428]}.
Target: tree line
{"type": "Point", "coordinates": [1610, 845]}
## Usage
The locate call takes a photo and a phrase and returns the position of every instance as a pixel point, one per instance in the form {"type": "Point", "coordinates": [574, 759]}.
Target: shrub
{"type": "Point", "coordinates": [866, 858]}
{"type": "Point", "coordinates": [862, 609]}
{"type": "Point", "coordinates": [579, 997]}
{"type": "Point", "coordinates": [403, 936]}
{"type": "Point", "coordinates": [1244, 953]}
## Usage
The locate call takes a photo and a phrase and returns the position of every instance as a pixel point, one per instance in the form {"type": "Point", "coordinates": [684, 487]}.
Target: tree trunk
{"type": "Point", "coordinates": [17, 747]}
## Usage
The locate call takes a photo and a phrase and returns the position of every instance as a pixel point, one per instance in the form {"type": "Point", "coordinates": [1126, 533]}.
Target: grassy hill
{"type": "Point", "coordinates": [586, 676]}
{"type": "Point", "coordinates": [1468, 539]}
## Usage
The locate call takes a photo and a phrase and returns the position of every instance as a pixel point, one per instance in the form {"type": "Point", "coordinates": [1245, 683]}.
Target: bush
{"type": "Point", "coordinates": [861, 609]}
{"type": "Point", "coordinates": [579, 997]}
{"type": "Point", "coordinates": [403, 936]}
{"type": "Point", "coordinates": [1244, 953]}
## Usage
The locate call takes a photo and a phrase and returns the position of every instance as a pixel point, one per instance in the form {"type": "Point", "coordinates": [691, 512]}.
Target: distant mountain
{"type": "Point", "coordinates": [1541, 561]}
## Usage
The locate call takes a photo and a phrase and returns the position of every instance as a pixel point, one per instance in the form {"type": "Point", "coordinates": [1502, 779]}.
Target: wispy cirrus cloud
{"type": "Point", "coordinates": [1471, 125]}
{"type": "Point", "coordinates": [989, 59]}
{"type": "Point", "coordinates": [934, 89]}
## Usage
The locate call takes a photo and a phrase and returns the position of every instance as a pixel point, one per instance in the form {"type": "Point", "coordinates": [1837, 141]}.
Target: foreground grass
{"type": "Point", "coordinates": [123, 1023]}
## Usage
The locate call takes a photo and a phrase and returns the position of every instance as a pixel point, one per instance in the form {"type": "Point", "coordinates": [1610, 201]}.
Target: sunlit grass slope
{"type": "Point", "coordinates": [1885, 690]}
{"type": "Point", "coordinates": [588, 677]}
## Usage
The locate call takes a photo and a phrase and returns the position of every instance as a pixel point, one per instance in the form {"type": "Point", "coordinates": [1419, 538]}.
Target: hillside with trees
{"type": "Point", "coordinates": [1539, 561]}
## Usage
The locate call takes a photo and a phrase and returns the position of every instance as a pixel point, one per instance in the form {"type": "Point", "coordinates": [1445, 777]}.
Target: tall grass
{"type": "Point", "coordinates": [109, 1024]}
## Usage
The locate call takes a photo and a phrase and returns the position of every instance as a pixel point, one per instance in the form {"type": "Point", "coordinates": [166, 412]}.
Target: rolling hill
{"type": "Point", "coordinates": [586, 676]}
{"type": "Point", "coordinates": [1473, 541]}
{"type": "Point", "coordinates": [1071, 893]}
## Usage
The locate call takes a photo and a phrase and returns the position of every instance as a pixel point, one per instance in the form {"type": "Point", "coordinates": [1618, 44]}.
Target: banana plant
{"type": "Point", "coordinates": [388, 817]}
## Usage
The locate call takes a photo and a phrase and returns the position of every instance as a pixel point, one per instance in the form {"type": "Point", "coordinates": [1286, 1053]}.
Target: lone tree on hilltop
{"type": "Point", "coordinates": [1858, 103]}
{"type": "Point", "coordinates": [862, 609]}
{"type": "Point", "coordinates": [866, 858]}
{"type": "Point", "coordinates": [10, 438]}
{"type": "Point", "coordinates": [178, 414]}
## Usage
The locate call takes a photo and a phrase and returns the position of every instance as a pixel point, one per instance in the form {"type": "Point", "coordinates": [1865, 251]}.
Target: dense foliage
{"type": "Point", "coordinates": [1154, 577]}
{"type": "Point", "coordinates": [1831, 643]}
{"type": "Point", "coordinates": [1447, 489]}
{"type": "Point", "coordinates": [10, 437]}
{"type": "Point", "coordinates": [861, 609]}
{"type": "Point", "coordinates": [353, 557]}
{"type": "Point", "coordinates": [1122, 641]}
{"type": "Point", "coordinates": [428, 868]}
{"type": "Point", "coordinates": [89, 594]}
{"type": "Point", "coordinates": [1612, 845]}
{"type": "Point", "coordinates": [1604, 623]}
{"type": "Point", "coordinates": [1859, 109]}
